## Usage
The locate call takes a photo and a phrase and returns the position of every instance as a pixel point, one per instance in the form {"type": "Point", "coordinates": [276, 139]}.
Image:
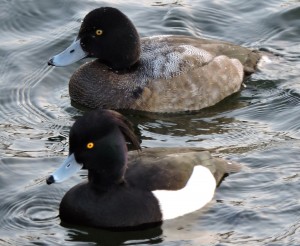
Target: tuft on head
{"type": "Point", "coordinates": [125, 126]}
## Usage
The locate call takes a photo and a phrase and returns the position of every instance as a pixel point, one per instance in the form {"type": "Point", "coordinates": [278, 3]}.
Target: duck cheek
{"type": "Point", "coordinates": [89, 45]}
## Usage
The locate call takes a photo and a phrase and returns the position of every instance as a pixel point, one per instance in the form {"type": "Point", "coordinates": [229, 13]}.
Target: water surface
{"type": "Point", "coordinates": [258, 126]}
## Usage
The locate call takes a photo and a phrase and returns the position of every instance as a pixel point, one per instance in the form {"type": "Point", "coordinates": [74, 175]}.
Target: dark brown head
{"type": "Point", "coordinates": [107, 34]}
{"type": "Point", "coordinates": [97, 142]}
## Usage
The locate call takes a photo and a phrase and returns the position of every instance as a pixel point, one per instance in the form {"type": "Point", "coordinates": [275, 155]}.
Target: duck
{"type": "Point", "coordinates": [159, 74]}
{"type": "Point", "coordinates": [134, 189]}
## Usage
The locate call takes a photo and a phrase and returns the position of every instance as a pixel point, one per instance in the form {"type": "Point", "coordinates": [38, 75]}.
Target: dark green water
{"type": "Point", "coordinates": [259, 127]}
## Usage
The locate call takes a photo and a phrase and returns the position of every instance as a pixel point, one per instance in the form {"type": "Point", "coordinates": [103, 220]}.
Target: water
{"type": "Point", "coordinates": [258, 127]}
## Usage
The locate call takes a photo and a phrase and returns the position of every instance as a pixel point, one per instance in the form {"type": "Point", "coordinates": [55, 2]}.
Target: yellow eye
{"type": "Point", "coordinates": [99, 32]}
{"type": "Point", "coordinates": [90, 145]}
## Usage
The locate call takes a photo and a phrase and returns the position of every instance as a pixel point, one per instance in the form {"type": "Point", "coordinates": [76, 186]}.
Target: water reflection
{"type": "Point", "coordinates": [113, 238]}
{"type": "Point", "coordinates": [258, 126]}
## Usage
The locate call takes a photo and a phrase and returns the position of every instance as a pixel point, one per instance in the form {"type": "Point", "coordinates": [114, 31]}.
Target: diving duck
{"type": "Point", "coordinates": [132, 189]}
{"type": "Point", "coordinates": [162, 74]}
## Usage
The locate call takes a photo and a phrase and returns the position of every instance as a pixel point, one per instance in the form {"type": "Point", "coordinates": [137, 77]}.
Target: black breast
{"type": "Point", "coordinates": [120, 207]}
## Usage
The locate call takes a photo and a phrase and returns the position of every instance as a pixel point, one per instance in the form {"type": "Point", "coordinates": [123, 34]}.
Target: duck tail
{"type": "Point", "coordinates": [225, 167]}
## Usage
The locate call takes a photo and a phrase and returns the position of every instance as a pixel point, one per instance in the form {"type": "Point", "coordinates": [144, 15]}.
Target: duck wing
{"type": "Point", "coordinates": [171, 168]}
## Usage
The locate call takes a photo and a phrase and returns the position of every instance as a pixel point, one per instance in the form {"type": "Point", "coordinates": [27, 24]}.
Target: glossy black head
{"type": "Point", "coordinates": [106, 33]}
{"type": "Point", "coordinates": [98, 140]}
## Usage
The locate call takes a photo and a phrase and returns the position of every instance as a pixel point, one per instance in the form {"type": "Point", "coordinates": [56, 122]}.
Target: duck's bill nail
{"type": "Point", "coordinates": [70, 55]}
{"type": "Point", "coordinates": [69, 167]}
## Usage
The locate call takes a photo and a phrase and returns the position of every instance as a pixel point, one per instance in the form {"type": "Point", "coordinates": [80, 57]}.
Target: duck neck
{"type": "Point", "coordinates": [124, 57]}
{"type": "Point", "coordinates": [101, 180]}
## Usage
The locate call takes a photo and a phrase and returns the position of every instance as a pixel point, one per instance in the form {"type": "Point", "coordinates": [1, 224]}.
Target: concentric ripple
{"type": "Point", "coordinates": [29, 203]}
{"type": "Point", "coordinates": [28, 211]}
{"type": "Point", "coordinates": [258, 126]}
{"type": "Point", "coordinates": [32, 109]}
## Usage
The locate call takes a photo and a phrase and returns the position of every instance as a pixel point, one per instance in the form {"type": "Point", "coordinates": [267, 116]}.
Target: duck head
{"type": "Point", "coordinates": [107, 34]}
{"type": "Point", "coordinates": [97, 142]}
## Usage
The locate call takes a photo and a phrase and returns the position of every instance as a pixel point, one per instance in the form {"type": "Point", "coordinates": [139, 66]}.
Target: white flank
{"type": "Point", "coordinates": [195, 195]}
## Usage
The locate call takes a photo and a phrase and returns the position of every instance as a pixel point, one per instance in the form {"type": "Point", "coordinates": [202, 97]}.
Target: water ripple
{"type": "Point", "coordinates": [28, 204]}
{"type": "Point", "coordinates": [277, 107]}
{"type": "Point", "coordinates": [30, 211]}
{"type": "Point", "coordinates": [257, 126]}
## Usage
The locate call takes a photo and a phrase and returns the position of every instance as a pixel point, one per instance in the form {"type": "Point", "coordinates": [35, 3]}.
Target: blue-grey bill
{"type": "Point", "coordinates": [70, 55]}
{"type": "Point", "coordinates": [68, 168]}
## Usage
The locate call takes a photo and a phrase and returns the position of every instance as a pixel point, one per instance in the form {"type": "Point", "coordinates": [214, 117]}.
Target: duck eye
{"type": "Point", "coordinates": [99, 32]}
{"type": "Point", "coordinates": [90, 145]}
